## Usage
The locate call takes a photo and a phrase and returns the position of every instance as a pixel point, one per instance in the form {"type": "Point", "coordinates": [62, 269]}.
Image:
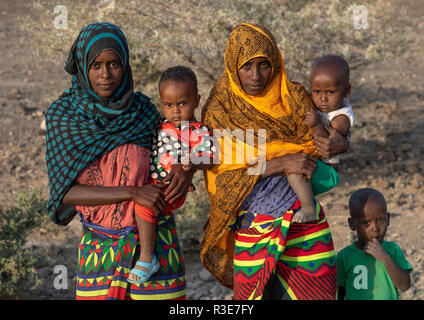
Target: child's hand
{"type": "Point", "coordinates": [400, 277]}
{"type": "Point", "coordinates": [312, 118]}
{"type": "Point", "coordinates": [186, 167]}
{"type": "Point", "coordinates": [179, 182]}
{"type": "Point", "coordinates": [374, 248]}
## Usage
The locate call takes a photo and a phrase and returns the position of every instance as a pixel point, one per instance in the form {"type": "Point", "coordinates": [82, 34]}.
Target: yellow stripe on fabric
{"type": "Point", "coordinates": [286, 287]}
{"type": "Point", "coordinates": [248, 263]}
{"type": "Point", "coordinates": [165, 296]}
{"type": "Point", "coordinates": [252, 235]}
{"type": "Point", "coordinates": [257, 226]}
{"type": "Point", "coordinates": [253, 293]}
{"type": "Point", "coordinates": [118, 283]}
{"type": "Point", "coordinates": [268, 240]}
{"type": "Point", "coordinates": [95, 293]}
{"type": "Point", "coordinates": [308, 237]}
{"type": "Point", "coordinates": [308, 258]}
{"type": "Point", "coordinates": [121, 284]}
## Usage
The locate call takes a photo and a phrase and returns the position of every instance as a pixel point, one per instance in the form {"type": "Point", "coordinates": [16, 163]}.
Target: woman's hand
{"type": "Point", "coordinates": [179, 182]}
{"type": "Point", "coordinates": [150, 196]}
{"type": "Point", "coordinates": [298, 163]}
{"type": "Point", "coordinates": [335, 144]}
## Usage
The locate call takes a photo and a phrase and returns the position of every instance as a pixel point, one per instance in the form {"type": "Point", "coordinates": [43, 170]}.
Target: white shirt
{"type": "Point", "coordinates": [346, 109]}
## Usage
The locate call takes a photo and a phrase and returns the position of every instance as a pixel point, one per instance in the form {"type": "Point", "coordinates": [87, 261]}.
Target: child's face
{"type": "Point", "coordinates": [371, 223]}
{"type": "Point", "coordinates": [327, 89]}
{"type": "Point", "coordinates": [105, 73]}
{"type": "Point", "coordinates": [178, 100]}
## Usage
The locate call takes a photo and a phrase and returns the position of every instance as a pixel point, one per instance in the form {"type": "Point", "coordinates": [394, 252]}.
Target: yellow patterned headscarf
{"type": "Point", "coordinates": [279, 110]}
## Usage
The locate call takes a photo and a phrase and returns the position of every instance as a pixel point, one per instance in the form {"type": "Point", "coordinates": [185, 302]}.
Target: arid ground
{"type": "Point", "coordinates": [386, 153]}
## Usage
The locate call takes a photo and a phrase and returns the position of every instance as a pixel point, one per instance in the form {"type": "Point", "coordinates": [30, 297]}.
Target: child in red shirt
{"type": "Point", "coordinates": [182, 140]}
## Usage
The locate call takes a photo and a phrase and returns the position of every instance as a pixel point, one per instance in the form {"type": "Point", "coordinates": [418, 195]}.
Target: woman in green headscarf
{"type": "Point", "coordinates": [97, 151]}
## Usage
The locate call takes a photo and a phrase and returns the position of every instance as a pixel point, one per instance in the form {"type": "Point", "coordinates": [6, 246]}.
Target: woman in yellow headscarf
{"type": "Point", "coordinates": [250, 243]}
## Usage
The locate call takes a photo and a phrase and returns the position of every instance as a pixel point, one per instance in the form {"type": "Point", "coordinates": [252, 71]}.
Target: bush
{"type": "Point", "coordinates": [17, 266]}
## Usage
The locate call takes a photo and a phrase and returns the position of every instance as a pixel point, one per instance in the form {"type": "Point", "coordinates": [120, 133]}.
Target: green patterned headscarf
{"type": "Point", "coordinates": [81, 126]}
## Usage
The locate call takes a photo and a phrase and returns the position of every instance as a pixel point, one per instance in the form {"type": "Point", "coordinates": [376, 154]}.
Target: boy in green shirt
{"type": "Point", "coordinates": [371, 268]}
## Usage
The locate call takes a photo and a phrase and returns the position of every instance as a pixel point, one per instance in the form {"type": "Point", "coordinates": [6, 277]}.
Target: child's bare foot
{"type": "Point", "coordinates": [304, 215]}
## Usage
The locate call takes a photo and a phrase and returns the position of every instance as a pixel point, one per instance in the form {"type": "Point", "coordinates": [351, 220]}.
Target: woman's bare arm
{"type": "Point", "coordinates": [298, 163]}
{"type": "Point", "coordinates": [149, 195]}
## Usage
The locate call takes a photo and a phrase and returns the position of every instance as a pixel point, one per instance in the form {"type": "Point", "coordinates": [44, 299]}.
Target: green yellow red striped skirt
{"type": "Point", "coordinates": [299, 258]}
{"type": "Point", "coordinates": [106, 256]}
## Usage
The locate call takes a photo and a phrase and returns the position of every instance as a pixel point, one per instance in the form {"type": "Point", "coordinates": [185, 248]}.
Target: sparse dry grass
{"type": "Point", "coordinates": [194, 33]}
{"type": "Point", "coordinates": [162, 33]}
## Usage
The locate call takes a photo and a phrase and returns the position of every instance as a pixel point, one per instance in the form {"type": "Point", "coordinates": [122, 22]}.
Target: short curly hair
{"type": "Point", "coordinates": [179, 74]}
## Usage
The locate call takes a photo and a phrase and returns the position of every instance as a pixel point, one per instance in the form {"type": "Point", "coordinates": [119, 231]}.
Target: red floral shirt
{"type": "Point", "coordinates": [191, 142]}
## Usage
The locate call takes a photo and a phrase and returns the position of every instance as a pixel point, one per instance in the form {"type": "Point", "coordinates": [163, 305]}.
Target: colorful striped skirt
{"type": "Point", "coordinates": [298, 258]}
{"type": "Point", "coordinates": [106, 256]}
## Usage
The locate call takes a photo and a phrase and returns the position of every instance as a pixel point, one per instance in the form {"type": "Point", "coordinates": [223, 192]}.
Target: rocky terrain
{"type": "Point", "coordinates": [386, 153]}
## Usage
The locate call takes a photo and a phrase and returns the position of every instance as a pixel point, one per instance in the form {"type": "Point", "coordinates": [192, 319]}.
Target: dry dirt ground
{"type": "Point", "coordinates": [386, 153]}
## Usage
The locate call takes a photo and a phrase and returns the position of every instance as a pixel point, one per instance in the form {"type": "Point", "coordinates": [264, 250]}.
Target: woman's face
{"type": "Point", "coordinates": [105, 73]}
{"type": "Point", "coordinates": [254, 75]}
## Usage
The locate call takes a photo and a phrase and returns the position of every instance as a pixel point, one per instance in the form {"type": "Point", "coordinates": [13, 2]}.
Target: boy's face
{"type": "Point", "coordinates": [178, 100]}
{"type": "Point", "coordinates": [372, 222]}
{"type": "Point", "coordinates": [328, 90]}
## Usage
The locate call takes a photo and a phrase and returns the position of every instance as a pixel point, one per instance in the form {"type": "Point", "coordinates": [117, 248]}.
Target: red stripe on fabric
{"type": "Point", "coordinates": [245, 256]}
{"type": "Point", "coordinates": [328, 286]}
{"type": "Point", "coordinates": [117, 292]}
{"type": "Point", "coordinates": [286, 274]}
{"type": "Point", "coordinates": [295, 229]}
{"type": "Point", "coordinates": [308, 288]}
{"type": "Point", "coordinates": [317, 247]}
{"type": "Point", "coordinates": [315, 290]}
{"type": "Point", "coordinates": [241, 290]}
{"type": "Point", "coordinates": [330, 283]}
{"type": "Point", "coordinates": [246, 239]}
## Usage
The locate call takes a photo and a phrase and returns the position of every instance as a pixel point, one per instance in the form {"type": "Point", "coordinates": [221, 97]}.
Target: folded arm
{"type": "Point", "coordinates": [149, 195]}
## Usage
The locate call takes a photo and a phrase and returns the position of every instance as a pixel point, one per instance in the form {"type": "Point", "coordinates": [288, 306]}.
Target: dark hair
{"type": "Point", "coordinates": [358, 199]}
{"type": "Point", "coordinates": [179, 74]}
{"type": "Point", "coordinates": [334, 61]}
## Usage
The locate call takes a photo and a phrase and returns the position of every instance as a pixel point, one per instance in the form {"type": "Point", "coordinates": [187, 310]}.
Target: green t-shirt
{"type": "Point", "coordinates": [364, 277]}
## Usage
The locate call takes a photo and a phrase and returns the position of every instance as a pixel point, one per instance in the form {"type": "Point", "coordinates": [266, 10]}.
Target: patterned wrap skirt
{"type": "Point", "coordinates": [106, 256]}
{"type": "Point", "coordinates": [299, 258]}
